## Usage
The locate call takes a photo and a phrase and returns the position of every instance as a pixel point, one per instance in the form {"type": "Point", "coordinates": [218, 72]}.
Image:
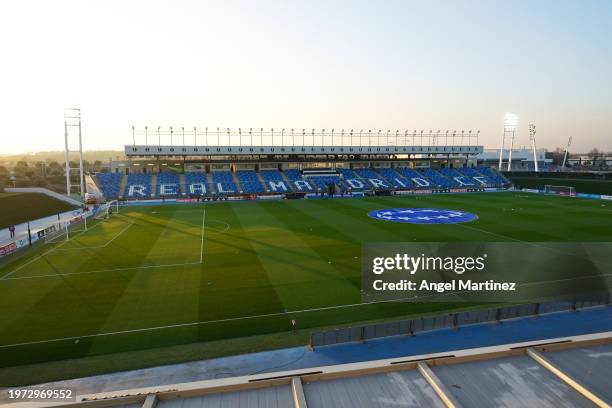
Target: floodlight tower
{"type": "Point", "coordinates": [532, 133]}
{"type": "Point", "coordinates": [72, 124]}
{"type": "Point", "coordinates": [569, 143]}
{"type": "Point", "coordinates": [510, 121]}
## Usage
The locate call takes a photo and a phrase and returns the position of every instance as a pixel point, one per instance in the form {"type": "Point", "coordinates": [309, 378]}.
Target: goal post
{"type": "Point", "coordinates": [107, 209]}
{"type": "Point", "coordinates": [63, 230]}
{"type": "Point", "coordinates": [560, 190]}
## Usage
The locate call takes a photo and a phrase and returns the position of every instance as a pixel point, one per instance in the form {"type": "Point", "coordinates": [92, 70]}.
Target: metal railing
{"type": "Point", "coordinates": [451, 320]}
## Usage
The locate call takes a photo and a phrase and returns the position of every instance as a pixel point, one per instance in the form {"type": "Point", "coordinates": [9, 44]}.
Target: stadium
{"type": "Point", "coordinates": [211, 251]}
{"type": "Point", "coordinates": [306, 204]}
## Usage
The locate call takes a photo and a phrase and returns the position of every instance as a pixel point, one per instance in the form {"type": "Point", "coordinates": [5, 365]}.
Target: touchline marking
{"type": "Point", "coordinates": [316, 309]}
{"type": "Point", "coordinates": [190, 324]}
{"type": "Point", "coordinates": [102, 271]}
{"type": "Point", "coordinates": [202, 243]}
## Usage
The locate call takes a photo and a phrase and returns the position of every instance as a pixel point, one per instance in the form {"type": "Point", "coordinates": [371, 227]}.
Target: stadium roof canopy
{"type": "Point", "coordinates": [293, 142]}
{"type": "Point", "coordinates": [140, 151]}
{"type": "Point", "coordinates": [570, 371]}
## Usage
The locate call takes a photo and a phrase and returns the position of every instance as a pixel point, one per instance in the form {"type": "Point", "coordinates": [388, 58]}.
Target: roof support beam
{"type": "Point", "coordinates": [447, 398]}
{"type": "Point", "coordinates": [150, 401]}
{"type": "Point", "coordinates": [546, 363]}
{"type": "Point", "coordinates": [299, 399]}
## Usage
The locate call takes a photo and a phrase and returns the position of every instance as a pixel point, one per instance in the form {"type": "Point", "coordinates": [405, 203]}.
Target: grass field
{"type": "Point", "coordinates": [159, 276]}
{"type": "Point", "coordinates": [16, 208]}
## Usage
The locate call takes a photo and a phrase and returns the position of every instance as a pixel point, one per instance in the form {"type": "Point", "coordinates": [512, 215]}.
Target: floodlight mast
{"type": "Point", "coordinates": [72, 125]}
{"type": "Point", "coordinates": [510, 121]}
{"type": "Point", "coordinates": [532, 133]}
{"type": "Point", "coordinates": [569, 143]}
{"type": "Point", "coordinates": [510, 152]}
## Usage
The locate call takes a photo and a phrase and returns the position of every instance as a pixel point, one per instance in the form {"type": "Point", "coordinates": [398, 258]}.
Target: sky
{"type": "Point", "coordinates": [306, 64]}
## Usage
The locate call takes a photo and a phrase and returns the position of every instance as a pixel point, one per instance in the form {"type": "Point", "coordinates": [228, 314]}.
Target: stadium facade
{"type": "Point", "coordinates": [388, 164]}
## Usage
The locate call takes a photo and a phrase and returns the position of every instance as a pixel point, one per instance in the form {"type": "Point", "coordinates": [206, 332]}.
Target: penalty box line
{"type": "Point", "coordinates": [5, 277]}
{"type": "Point", "coordinates": [100, 246]}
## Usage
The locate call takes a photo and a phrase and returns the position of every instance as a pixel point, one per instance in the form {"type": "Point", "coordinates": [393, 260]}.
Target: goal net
{"type": "Point", "coordinates": [107, 209]}
{"type": "Point", "coordinates": [65, 228]}
{"type": "Point", "coordinates": [560, 190]}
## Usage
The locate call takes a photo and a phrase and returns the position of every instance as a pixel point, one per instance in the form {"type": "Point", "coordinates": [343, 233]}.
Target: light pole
{"type": "Point", "coordinates": [183, 131]}
{"type": "Point", "coordinates": [251, 136]}
{"type": "Point", "coordinates": [158, 136]}
{"type": "Point", "coordinates": [292, 137]}
{"type": "Point", "coordinates": [195, 136]}
{"type": "Point", "coordinates": [532, 133]}
{"type": "Point", "coordinates": [510, 121]}
{"type": "Point", "coordinates": [146, 136]}
{"type": "Point", "coordinates": [133, 137]}
{"type": "Point", "coordinates": [569, 143]}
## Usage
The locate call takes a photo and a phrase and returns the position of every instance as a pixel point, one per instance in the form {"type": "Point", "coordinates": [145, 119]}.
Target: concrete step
{"type": "Point", "coordinates": [211, 184]}
{"type": "Point", "coordinates": [263, 182]}
{"type": "Point", "coordinates": [237, 182]}
{"type": "Point", "coordinates": [183, 183]}
{"type": "Point", "coordinates": [287, 182]}
{"type": "Point", "coordinates": [122, 185]}
{"type": "Point", "coordinates": [153, 186]}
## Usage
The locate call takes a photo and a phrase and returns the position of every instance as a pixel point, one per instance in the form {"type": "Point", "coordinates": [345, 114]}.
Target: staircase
{"type": "Point", "coordinates": [211, 185]}
{"type": "Point", "coordinates": [237, 182]}
{"type": "Point", "coordinates": [263, 182]}
{"type": "Point", "coordinates": [289, 184]}
{"type": "Point", "coordinates": [183, 183]}
{"type": "Point", "coordinates": [122, 185]}
{"type": "Point", "coordinates": [153, 184]}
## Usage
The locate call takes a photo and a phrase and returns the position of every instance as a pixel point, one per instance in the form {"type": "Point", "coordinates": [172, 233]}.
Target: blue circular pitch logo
{"type": "Point", "coordinates": [423, 215]}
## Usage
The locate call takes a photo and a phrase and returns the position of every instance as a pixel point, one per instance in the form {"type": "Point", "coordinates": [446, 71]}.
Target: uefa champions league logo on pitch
{"type": "Point", "coordinates": [423, 215]}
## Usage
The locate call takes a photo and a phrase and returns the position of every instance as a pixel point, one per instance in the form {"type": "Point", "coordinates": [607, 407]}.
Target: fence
{"type": "Point", "coordinates": [28, 233]}
{"type": "Point", "coordinates": [452, 320]}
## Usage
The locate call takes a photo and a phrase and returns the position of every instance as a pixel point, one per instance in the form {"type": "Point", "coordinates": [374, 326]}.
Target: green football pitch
{"type": "Point", "coordinates": [157, 276]}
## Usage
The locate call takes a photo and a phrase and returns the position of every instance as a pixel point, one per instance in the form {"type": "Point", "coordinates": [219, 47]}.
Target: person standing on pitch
{"type": "Point", "coordinates": [12, 231]}
{"type": "Point", "coordinates": [293, 326]}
